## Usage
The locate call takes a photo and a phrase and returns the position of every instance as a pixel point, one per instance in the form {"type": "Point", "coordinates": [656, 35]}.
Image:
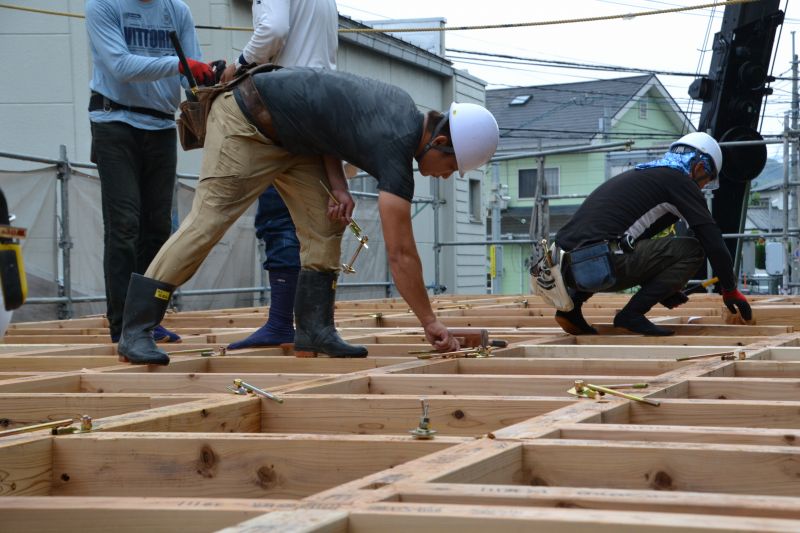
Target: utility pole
{"type": "Point", "coordinates": [794, 149]}
{"type": "Point", "coordinates": [733, 94]}
{"type": "Point", "coordinates": [497, 205]}
{"type": "Point", "coordinates": [794, 103]}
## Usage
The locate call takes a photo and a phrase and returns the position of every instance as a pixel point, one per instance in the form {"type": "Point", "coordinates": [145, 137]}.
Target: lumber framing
{"type": "Point", "coordinates": [171, 448]}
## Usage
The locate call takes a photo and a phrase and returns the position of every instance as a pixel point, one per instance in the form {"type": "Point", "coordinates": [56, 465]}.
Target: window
{"type": "Point", "coordinates": [475, 201]}
{"type": "Point", "coordinates": [528, 180]}
{"type": "Point", "coordinates": [643, 109]}
{"type": "Point", "coordinates": [364, 184]}
{"type": "Point", "coordinates": [520, 100]}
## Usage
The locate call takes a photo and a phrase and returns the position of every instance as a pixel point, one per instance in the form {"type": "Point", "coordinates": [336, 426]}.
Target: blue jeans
{"type": "Point", "coordinates": [274, 226]}
{"type": "Point", "coordinates": [137, 180]}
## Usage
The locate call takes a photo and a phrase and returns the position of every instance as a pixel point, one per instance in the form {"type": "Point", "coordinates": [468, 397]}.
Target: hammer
{"type": "Point", "coordinates": [476, 338]}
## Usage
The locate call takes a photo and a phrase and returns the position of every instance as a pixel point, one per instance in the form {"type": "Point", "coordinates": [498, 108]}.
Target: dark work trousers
{"type": "Point", "coordinates": [274, 226]}
{"type": "Point", "coordinates": [660, 266]}
{"type": "Point", "coordinates": [137, 179]}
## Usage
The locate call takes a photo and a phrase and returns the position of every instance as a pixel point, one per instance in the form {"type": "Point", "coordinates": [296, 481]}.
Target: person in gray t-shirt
{"type": "Point", "coordinates": [292, 128]}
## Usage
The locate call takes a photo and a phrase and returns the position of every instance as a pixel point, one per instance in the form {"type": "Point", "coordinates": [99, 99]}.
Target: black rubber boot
{"type": "Point", "coordinates": [145, 306]}
{"type": "Point", "coordinates": [638, 323]}
{"type": "Point", "coordinates": [632, 318]}
{"type": "Point", "coordinates": [313, 316]}
{"type": "Point", "coordinates": [573, 321]}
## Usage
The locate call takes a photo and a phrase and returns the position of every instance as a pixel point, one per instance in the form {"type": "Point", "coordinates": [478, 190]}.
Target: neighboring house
{"type": "Point", "coordinates": [40, 115]}
{"type": "Point", "coordinates": [550, 117]}
{"type": "Point", "coordinates": [765, 211]}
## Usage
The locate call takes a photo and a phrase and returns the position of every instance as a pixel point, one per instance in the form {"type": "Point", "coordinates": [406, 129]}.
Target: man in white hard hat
{"type": "Point", "coordinates": [626, 212]}
{"type": "Point", "coordinates": [293, 128]}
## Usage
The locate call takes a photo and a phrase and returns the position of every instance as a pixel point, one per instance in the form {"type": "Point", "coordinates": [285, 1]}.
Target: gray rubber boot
{"type": "Point", "coordinates": [313, 317]}
{"type": "Point", "coordinates": [145, 306]}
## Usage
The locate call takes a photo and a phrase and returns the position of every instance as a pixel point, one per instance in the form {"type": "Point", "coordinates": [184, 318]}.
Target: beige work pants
{"type": "Point", "coordinates": [238, 165]}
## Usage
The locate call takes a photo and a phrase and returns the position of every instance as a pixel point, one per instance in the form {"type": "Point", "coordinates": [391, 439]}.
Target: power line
{"type": "Point", "coordinates": [519, 60]}
{"type": "Point", "coordinates": [558, 22]}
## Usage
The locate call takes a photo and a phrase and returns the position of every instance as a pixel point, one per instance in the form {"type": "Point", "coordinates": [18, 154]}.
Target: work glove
{"type": "Point", "coordinates": [734, 300]}
{"type": "Point", "coordinates": [201, 72]}
{"type": "Point", "coordinates": [218, 68]}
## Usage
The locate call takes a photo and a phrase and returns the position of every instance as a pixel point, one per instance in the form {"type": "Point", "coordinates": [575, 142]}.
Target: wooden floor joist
{"type": "Point", "coordinates": [173, 448]}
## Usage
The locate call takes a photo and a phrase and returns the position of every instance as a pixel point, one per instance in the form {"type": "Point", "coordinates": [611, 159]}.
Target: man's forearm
{"type": "Point", "coordinates": [335, 172]}
{"type": "Point", "coordinates": [407, 274]}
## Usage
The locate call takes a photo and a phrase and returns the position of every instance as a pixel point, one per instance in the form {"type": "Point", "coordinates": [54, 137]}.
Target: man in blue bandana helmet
{"type": "Point", "coordinates": [627, 212]}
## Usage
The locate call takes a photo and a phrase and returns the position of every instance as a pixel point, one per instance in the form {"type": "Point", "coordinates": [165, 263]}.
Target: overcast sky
{"type": "Point", "coordinates": [669, 42]}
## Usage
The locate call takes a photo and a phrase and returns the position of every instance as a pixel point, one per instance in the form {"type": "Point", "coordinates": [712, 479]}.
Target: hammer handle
{"type": "Point", "coordinates": [176, 43]}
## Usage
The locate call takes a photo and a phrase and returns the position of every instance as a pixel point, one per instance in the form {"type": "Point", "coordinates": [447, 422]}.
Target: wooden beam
{"type": "Point", "coordinates": [212, 414]}
{"type": "Point", "coordinates": [593, 352]}
{"type": "Point", "coordinates": [27, 466]}
{"type": "Point", "coordinates": [709, 330]}
{"type": "Point", "coordinates": [20, 409]}
{"type": "Point", "coordinates": [214, 465]}
{"type": "Point", "coordinates": [305, 521]}
{"type": "Point", "coordinates": [131, 515]}
{"type": "Point", "coordinates": [601, 499]}
{"type": "Point", "coordinates": [675, 340]}
{"type": "Point", "coordinates": [489, 454]}
{"type": "Point", "coordinates": [619, 367]}
{"type": "Point", "coordinates": [488, 385]}
{"type": "Point", "coordinates": [653, 433]}
{"type": "Point", "coordinates": [52, 383]}
{"type": "Point", "coordinates": [403, 517]}
{"type": "Point", "coordinates": [727, 413]}
{"type": "Point", "coordinates": [767, 369]}
{"type": "Point", "coordinates": [775, 389]}
{"type": "Point", "coordinates": [388, 414]}
{"type": "Point", "coordinates": [184, 383]}
{"type": "Point", "coordinates": [55, 363]}
{"type": "Point", "coordinates": [731, 469]}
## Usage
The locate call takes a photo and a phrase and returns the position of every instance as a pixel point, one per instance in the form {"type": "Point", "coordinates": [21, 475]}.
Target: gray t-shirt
{"type": "Point", "coordinates": [371, 124]}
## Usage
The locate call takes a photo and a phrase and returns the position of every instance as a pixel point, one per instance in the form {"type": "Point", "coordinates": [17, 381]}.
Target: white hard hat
{"type": "Point", "coordinates": [704, 143]}
{"type": "Point", "coordinates": [474, 133]}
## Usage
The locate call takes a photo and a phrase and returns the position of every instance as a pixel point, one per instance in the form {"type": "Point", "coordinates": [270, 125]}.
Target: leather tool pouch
{"type": "Point", "coordinates": [591, 267]}
{"type": "Point", "coordinates": [192, 121]}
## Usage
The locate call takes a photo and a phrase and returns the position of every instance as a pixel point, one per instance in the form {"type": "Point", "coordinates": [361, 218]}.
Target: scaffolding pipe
{"type": "Point", "coordinates": [197, 292]}
{"type": "Point", "coordinates": [436, 259]}
{"type": "Point", "coordinates": [745, 236]}
{"type": "Point", "coordinates": [785, 206]}
{"type": "Point", "coordinates": [65, 239]}
{"type": "Point", "coordinates": [565, 150]}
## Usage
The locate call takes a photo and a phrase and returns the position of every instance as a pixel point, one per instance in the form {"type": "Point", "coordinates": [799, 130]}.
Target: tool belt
{"type": "Point", "coordinates": [98, 102]}
{"type": "Point", "coordinates": [591, 267]}
{"type": "Point", "coordinates": [13, 284]}
{"type": "Point", "coordinates": [255, 109]}
{"type": "Point", "coordinates": [547, 280]}
{"type": "Point", "coordinates": [192, 121]}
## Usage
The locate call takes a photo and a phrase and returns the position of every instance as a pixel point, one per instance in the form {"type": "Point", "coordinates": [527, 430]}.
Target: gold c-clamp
{"type": "Point", "coordinates": [347, 268]}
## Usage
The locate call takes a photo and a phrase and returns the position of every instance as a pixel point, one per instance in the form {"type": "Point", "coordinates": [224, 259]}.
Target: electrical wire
{"type": "Point", "coordinates": [558, 22]}
{"type": "Point", "coordinates": [520, 60]}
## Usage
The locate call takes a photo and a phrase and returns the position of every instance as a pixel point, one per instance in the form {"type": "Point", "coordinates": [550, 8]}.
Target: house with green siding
{"type": "Point", "coordinates": [580, 121]}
